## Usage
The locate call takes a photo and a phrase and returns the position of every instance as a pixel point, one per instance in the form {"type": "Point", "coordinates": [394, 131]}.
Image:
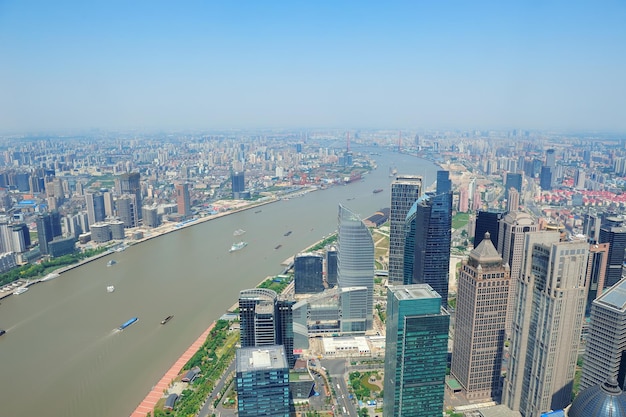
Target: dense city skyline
{"type": "Point", "coordinates": [151, 65]}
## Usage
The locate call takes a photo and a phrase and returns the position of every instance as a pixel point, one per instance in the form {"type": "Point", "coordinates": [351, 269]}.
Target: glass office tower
{"type": "Point", "coordinates": [355, 263]}
{"type": "Point", "coordinates": [427, 243]}
{"type": "Point", "coordinates": [262, 382]}
{"type": "Point", "coordinates": [416, 352]}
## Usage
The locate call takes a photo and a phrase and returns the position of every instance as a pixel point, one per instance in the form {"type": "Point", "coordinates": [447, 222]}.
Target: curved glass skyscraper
{"type": "Point", "coordinates": [355, 265]}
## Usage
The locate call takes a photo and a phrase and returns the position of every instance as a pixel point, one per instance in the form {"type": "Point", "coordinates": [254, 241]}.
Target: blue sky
{"type": "Point", "coordinates": [227, 64]}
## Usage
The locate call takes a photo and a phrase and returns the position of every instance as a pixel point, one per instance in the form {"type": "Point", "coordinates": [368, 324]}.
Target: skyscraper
{"type": "Point", "coordinates": [513, 227]}
{"type": "Point", "coordinates": [614, 233]}
{"type": "Point", "coordinates": [487, 221]}
{"type": "Point", "coordinates": [547, 324]}
{"type": "Point", "coordinates": [416, 352]}
{"type": "Point", "coordinates": [596, 272]}
{"type": "Point", "coordinates": [48, 227]}
{"type": "Point", "coordinates": [513, 180]}
{"type": "Point", "coordinates": [183, 201]}
{"type": "Point", "coordinates": [238, 183]}
{"type": "Point", "coordinates": [479, 335]}
{"type": "Point", "coordinates": [266, 320]}
{"type": "Point", "coordinates": [308, 269]}
{"type": "Point", "coordinates": [262, 382]}
{"type": "Point", "coordinates": [355, 263]}
{"type": "Point", "coordinates": [512, 200]}
{"type": "Point", "coordinates": [127, 210]}
{"type": "Point", "coordinates": [605, 351]}
{"type": "Point", "coordinates": [95, 207]}
{"type": "Point", "coordinates": [427, 242]}
{"type": "Point", "coordinates": [129, 183]}
{"type": "Point", "coordinates": [405, 190]}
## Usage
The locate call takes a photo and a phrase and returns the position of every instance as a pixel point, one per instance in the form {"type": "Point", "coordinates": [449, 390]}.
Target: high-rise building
{"type": "Point", "coordinates": [444, 184]}
{"type": "Point", "coordinates": [513, 227]}
{"type": "Point", "coordinates": [479, 335]}
{"type": "Point", "coordinates": [613, 232]}
{"type": "Point", "coordinates": [487, 221]}
{"type": "Point", "coordinates": [183, 201]}
{"type": "Point", "coordinates": [547, 324]}
{"type": "Point", "coordinates": [266, 320]}
{"type": "Point", "coordinates": [95, 207]}
{"type": "Point", "coordinates": [48, 227]}
{"type": "Point", "coordinates": [591, 226]}
{"type": "Point", "coordinates": [405, 190]}
{"type": "Point", "coordinates": [513, 180]}
{"type": "Point", "coordinates": [579, 179]}
{"type": "Point", "coordinates": [545, 178]}
{"type": "Point", "coordinates": [308, 273]}
{"type": "Point", "coordinates": [331, 266]}
{"type": "Point", "coordinates": [130, 183]}
{"type": "Point", "coordinates": [551, 159]}
{"type": "Point", "coordinates": [512, 203]}
{"type": "Point", "coordinates": [151, 216]}
{"type": "Point", "coordinates": [262, 382]}
{"type": "Point", "coordinates": [427, 243]}
{"type": "Point", "coordinates": [416, 352]}
{"type": "Point", "coordinates": [596, 272]}
{"type": "Point", "coordinates": [127, 209]}
{"type": "Point", "coordinates": [605, 351]}
{"type": "Point", "coordinates": [355, 263]}
{"type": "Point", "coordinates": [238, 184]}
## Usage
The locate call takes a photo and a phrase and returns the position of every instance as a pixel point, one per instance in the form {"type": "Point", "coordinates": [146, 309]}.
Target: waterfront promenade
{"type": "Point", "coordinates": [148, 403]}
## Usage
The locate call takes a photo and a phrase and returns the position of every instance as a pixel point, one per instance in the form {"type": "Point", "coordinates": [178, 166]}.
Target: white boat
{"type": "Point", "coordinates": [239, 232]}
{"type": "Point", "coordinates": [110, 288]}
{"type": "Point", "coordinates": [238, 246]}
{"type": "Point", "coordinates": [20, 290]}
{"type": "Point", "coordinates": [111, 262]}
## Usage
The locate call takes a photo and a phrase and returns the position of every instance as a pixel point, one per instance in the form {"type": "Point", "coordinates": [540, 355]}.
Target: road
{"type": "Point", "coordinates": [336, 368]}
{"type": "Point", "coordinates": [207, 409]}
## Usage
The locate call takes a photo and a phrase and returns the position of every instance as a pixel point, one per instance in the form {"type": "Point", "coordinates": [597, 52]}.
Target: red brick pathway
{"type": "Point", "coordinates": [148, 403]}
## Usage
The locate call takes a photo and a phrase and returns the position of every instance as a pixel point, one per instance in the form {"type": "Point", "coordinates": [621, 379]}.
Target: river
{"type": "Point", "coordinates": [62, 355]}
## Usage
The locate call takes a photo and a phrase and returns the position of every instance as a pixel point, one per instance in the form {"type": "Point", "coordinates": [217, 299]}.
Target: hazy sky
{"type": "Point", "coordinates": [220, 64]}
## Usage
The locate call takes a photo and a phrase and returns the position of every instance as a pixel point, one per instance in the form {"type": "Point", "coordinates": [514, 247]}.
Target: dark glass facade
{"type": "Point", "coordinates": [308, 273]}
{"type": "Point", "coordinates": [265, 320]}
{"type": "Point", "coordinates": [614, 233]}
{"type": "Point", "coordinates": [416, 352]}
{"type": "Point", "coordinates": [48, 227]}
{"type": "Point", "coordinates": [487, 221]}
{"type": "Point", "coordinates": [427, 243]}
{"type": "Point", "coordinates": [331, 267]}
{"type": "Point", "coordinates": [513, 180]}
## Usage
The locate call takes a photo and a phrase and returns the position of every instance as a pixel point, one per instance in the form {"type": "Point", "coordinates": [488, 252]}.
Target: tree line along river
{"type": "Point", "coordinates": [62, 355]}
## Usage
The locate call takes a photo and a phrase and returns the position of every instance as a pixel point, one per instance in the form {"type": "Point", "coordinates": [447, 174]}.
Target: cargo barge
{"type": "Point", "coordinates": [128, 323]}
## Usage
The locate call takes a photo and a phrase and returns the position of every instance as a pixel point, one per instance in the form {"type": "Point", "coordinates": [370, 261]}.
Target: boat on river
{"type": "Point", "coordinates": [166, 319]}
{"type": "Point", "coordinates": [111, 262]}
{"type": "Point", "coordinates": [239, 232]}
{"type": "Point", "coordinates": [287, 233]}
{"type": "Point", "coordinates": [238, 246]}
{"type": "Point", "coordinates": [128, 323]}
{"type": "Point", "coordinates": [110, 288]}
{"type": "Point", "coordinates": [378, 190]}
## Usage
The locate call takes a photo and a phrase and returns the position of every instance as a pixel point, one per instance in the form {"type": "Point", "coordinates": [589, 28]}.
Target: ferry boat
{"type": "Point", "coordinates": [239, 232]}
{"type": "Point", "coordinates": [128, 323]}
{"type": "Point", "coordinates": [166, 319]}
{"type": "Point", "coordinates": [111, 262]}
{"type": "Point", "coordinates": [238, 246]}
{"type": "Point", "coordinates": [20, 290]}
{"type": "Point", "coordinates": [378, 190]}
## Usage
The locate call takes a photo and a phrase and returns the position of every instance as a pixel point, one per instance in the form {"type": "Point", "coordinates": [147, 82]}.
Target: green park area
{"type": "Point", "coordinates": [460, 220]}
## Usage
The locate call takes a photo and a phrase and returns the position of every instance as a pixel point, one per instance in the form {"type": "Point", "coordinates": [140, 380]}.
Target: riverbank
{"type": "Point", "coordinates": [156, 393]}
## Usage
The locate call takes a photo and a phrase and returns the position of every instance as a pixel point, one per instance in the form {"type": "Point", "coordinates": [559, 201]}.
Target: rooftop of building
{"type": "Point", "coordinates": [257, 358]}
{"type": "Point", "coordinates": [408, 292]}
{"type": "Point", "coordinates": [614, 297]}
